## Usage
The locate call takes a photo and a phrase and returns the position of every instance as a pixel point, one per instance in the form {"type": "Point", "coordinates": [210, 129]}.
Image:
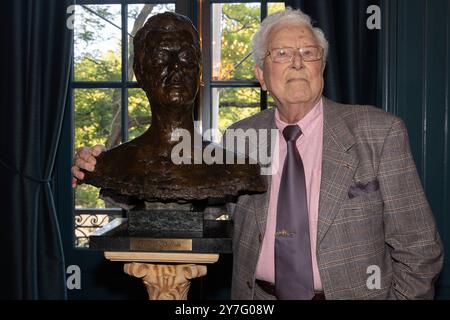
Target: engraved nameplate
{"type": "Point", "coordinates": [161, 244]}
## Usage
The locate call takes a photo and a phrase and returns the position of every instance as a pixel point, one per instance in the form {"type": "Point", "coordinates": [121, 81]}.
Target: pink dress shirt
{"type": "Point", "coordinates": [309, 146]}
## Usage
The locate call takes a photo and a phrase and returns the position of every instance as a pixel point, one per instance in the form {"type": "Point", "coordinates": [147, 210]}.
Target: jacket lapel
{"type": "Point", "coordinates": [338, 166]}
{"type": "Point", "coordinates": [262, 202]}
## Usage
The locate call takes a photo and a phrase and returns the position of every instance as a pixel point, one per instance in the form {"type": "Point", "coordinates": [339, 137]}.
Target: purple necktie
{"type": "Point", "coordinates": [293, 265]}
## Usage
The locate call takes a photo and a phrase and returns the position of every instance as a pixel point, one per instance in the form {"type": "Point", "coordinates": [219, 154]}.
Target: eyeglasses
{"type": "Point", "coordinates": [284, 55]}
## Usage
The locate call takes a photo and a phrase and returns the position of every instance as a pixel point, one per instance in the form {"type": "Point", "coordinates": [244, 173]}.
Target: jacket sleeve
{"type": "Point", "coordinates": [410, 228]}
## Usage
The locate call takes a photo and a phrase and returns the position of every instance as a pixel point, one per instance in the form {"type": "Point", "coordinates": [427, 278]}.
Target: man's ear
{"type": "Point", "coordinates": [259, 74]}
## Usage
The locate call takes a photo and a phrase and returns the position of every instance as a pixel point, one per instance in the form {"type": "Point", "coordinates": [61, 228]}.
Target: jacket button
{"type": "Point", "coordinates": [249, 285]}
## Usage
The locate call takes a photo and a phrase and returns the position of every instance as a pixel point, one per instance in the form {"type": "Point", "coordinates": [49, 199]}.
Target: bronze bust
{"type": "Point", "coordinates": [167, 65]}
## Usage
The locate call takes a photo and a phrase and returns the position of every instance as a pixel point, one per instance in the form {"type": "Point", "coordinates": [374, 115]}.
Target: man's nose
{"type": "Point", "coordinates": [297, 60]}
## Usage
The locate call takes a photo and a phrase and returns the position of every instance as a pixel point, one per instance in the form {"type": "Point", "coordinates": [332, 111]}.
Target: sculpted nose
{"type": "Point", "coordinates": [175, 63]}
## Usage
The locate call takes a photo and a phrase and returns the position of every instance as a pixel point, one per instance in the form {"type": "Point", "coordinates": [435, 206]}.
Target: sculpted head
{"type": "Point", "coordinates": [167, 61]}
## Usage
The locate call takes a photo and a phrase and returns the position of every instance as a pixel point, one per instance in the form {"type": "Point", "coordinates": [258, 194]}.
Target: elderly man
{"type": "Point", "coordinates": [345, 216]}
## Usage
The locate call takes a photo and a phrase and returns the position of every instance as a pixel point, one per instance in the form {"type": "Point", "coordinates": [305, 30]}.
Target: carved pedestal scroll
{"type": "Point", "coordinates": [167, 276]}
{"type": "Point", "coordinates": [166, 282]}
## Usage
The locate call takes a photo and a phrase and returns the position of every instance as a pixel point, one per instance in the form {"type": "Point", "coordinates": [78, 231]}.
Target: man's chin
{"type": "Point", "coordinates": [300, 99]}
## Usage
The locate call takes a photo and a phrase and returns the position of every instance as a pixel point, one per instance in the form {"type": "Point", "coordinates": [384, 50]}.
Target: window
{"type": "Point", "coordinates": [108, 106]}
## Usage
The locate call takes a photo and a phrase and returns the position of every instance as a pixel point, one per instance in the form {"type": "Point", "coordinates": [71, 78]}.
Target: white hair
{"type": "Point", "coordinates": [288, 16]}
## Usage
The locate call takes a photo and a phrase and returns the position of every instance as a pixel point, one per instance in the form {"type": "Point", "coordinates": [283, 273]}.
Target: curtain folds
{"type": "Point", "coordinates": [35, 68]}
{"type": "Point", "coordinates": [351, 75]}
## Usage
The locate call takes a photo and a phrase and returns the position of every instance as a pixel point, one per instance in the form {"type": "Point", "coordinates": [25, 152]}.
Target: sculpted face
{"type": "Point", "coordinates": [297, 82]}
{"type": "Point", "coordinates": [174, 66]}
{"type": "Point", "coordinates": [168, 67]}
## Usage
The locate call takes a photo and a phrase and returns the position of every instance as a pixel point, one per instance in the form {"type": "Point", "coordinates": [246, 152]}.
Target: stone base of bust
{"type": "Point", "coordinates": [165, 222]}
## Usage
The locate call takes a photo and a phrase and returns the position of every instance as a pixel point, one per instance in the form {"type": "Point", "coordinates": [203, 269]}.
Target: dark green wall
{"type": "Point", "coordinates": [416, 86]}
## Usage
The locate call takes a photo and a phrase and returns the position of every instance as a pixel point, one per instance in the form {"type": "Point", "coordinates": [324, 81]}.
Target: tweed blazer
{"type": "Point", "coordinates": [377, 237]}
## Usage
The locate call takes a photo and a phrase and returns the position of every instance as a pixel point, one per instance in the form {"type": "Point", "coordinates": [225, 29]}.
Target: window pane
{"type": "Point", "coordinates": [97, 43]}
{"type": "Point", "coordinates": [273, 7]}
{"type": "Point", "coordinates": [97, 117]}
{"type": "Point", "coordinates": [138, 14]}
{"type": "Point", "coordinates": [235, 104]}
{"type": "Point", "coordinates": [139, 113]}
{"type": "Point", "coordinates": [233, 27]}
{"type": "Point", "coordinates": [97, 121]}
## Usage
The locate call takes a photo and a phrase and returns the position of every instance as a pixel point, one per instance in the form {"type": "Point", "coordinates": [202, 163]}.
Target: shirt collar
{"type": "Point", "coordinates": [308, 122]}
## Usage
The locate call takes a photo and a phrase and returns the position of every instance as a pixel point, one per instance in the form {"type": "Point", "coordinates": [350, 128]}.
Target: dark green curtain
{"type": "Point", "coordinates": [34, 71]}
{"type": "Point", "coordinates": [351, 73]}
